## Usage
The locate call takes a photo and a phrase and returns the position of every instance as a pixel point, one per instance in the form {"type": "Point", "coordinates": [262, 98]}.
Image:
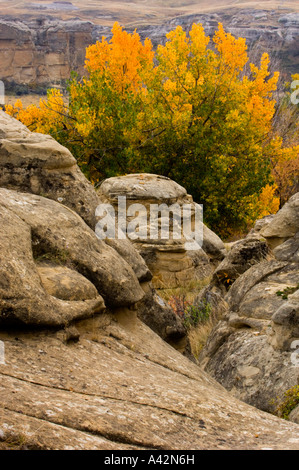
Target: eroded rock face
{"type": "Point", "coordinates": [243, 255]}
{"type": "Point", "coordinates": [43, 51]}
{"type": "Point", "coordinates": [38, 229]}
{"type": "Point", "coordinates": [168, 260]}
{"type": "Point", "coordinates": [250, 351]}
{"type": "Point", "coordinates": [284, 225]}
{"type": "Point", "coordinates": [36, 163]}
{"type": "Point", "coordinates": [120, 386]}
{"type": "Point", "coordinates": [84, 376]}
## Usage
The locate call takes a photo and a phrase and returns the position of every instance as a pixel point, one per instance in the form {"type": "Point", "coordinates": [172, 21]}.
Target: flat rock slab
{"type": "Point", "coordinates": [122, 387]}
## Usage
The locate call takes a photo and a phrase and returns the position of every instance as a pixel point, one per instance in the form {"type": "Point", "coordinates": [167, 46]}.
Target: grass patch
{"type": "Point", "coordinates": [289, 403]}
{"type": "Point", "coordinates": [189, 291]}
{"type": "Point", "coordinates": [58, 257]}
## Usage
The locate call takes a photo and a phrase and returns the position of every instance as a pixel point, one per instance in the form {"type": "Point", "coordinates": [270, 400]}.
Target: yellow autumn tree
{"type": "Point", "coordinates": [188, 111]}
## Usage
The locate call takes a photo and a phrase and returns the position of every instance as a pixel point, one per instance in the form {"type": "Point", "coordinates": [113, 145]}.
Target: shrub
{"type": "Point", "coordinates": [289, 403]}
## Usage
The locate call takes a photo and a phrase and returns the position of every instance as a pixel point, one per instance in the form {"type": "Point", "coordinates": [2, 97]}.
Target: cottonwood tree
{"type": "Point", "coordinates": [195, 110]}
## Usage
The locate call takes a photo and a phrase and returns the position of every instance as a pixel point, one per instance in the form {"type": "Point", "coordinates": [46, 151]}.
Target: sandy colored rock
{"type": "Point", "coordinates": [66, 284]}
{"type": "Point", "coordinates": [289, 250]}
{"type": "Point", "coordinates": [156, 314]}
{"type": "Point", "coordinates": [37, 228]}
{"type": "Point", "coordinates": [31, 50]}
{"type": "Point", "coordinates": [285, 224]}
{"type": "Point", "coordinates": [170, 262]}
{"type": "Point", "coordinates": [250, 352]}
{"type": "Point", "coordinates": [127, 251]}
{"type": "Point", "coordinates": [242, 255]}
{"type": "Point", "coordinates": [122, 387]}
{"type": "Point", "coordinates": [36, 163]}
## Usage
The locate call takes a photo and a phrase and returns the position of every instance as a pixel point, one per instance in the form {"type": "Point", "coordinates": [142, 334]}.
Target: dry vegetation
{"type": "Point", "coordinates": [199, 333]}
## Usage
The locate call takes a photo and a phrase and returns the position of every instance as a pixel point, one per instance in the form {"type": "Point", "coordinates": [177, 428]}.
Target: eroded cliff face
{"type": "Point", "coordinates": [79, 368]}
{"type": "Point", "coordinates": [272, 31]}
{"type": "Point", "coordinates": [43, 51]}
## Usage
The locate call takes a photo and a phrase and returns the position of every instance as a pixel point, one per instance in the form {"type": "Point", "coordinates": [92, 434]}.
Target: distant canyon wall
{"type": "Point", "coordinates": [275, 32]}
{"type": "Point", "coordinates": [42, 52]}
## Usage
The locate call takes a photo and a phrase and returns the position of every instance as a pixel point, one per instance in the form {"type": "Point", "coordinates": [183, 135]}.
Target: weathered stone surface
{"type": "Point", "coordinates": [32, 163]}
{"type": "Point", "coordinates": [36, 163]}
{"type": "Point", "coordinates": [155, 313]}
{"type": "Point", "coordinates": [171, 264]}
{"type": "Point", "coordinates": [289, 250]}
{"type": "Point", "coordinates": [259, 225]}
{"type": "Point", "coordinates": [127, 251]}
{"type": "Point", "coordinates": [143, 186]}
{"type": "Point", "coordinates": [246, 349]}
{"type": "Point", "coordinates": [37, 228]}
{"type": "Point", "coordinates": [285, 224]}
{"type": "Point", "coordinates": [121, 387]}
{"type": "Point", "coordinates": [241, 257]}
{"type": "Point", "coordinates": [212, 244]}
{"type": "Point", "coordinates": [250, 351]}
{"type": "Point", "coordinates": [101, 378]}
{"type": "Point", "coordinates": [43, 51]}
{"type": "Point", "coordinates": [37, 48]}
{"type": "Point", "coordinates": [66, 284]}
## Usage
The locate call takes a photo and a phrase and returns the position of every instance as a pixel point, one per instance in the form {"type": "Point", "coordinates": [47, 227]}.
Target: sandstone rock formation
{"type": "Point", "coordinates": [37, 228]}
{"type": "Point", "coordinates": [121, 387]}
{"type": "Point", "coordinates": [42, 51]}
{"type": "Point", "coordinates": [48, 236]}
{"type": "Point", "coordinates": [52, 172]}
{"type": "Point", "coordinates": [272, 31]}
{"type": "Point", "coordinates": [171, 264]}
{"type": "Point", "coordinates": [284, 225]}
{"type": "Point", "coordinates": [252, 349]}
{"type": "Point", "coordinates": [79, 369]}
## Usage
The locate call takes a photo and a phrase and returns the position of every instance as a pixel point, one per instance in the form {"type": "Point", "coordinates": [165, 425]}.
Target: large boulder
{"type": "Point", "coordinates": [284, 225]}
{"type": "Point", "coordinates": [73, 274]}
{"type": "Point", "coordinates": [251, 350]}
{"type": "Point", "coordinates": [171, 264]}
{"type": "Point", "coordinates": [243, 254]}
{"type": "Point", "coordinates": [78, 368]}
{"type": "Point", "coordinates": [36, 163]}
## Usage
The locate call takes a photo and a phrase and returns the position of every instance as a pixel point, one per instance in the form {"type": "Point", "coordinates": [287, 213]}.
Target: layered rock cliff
{"type": "Point", "coordinates": [42, 51]}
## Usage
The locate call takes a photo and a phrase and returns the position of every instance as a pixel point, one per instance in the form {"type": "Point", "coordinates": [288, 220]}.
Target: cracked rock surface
{"type": "Point", "coordinates": [121, 387]}
{"type": "Point", "coordinates": [251, 350]}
